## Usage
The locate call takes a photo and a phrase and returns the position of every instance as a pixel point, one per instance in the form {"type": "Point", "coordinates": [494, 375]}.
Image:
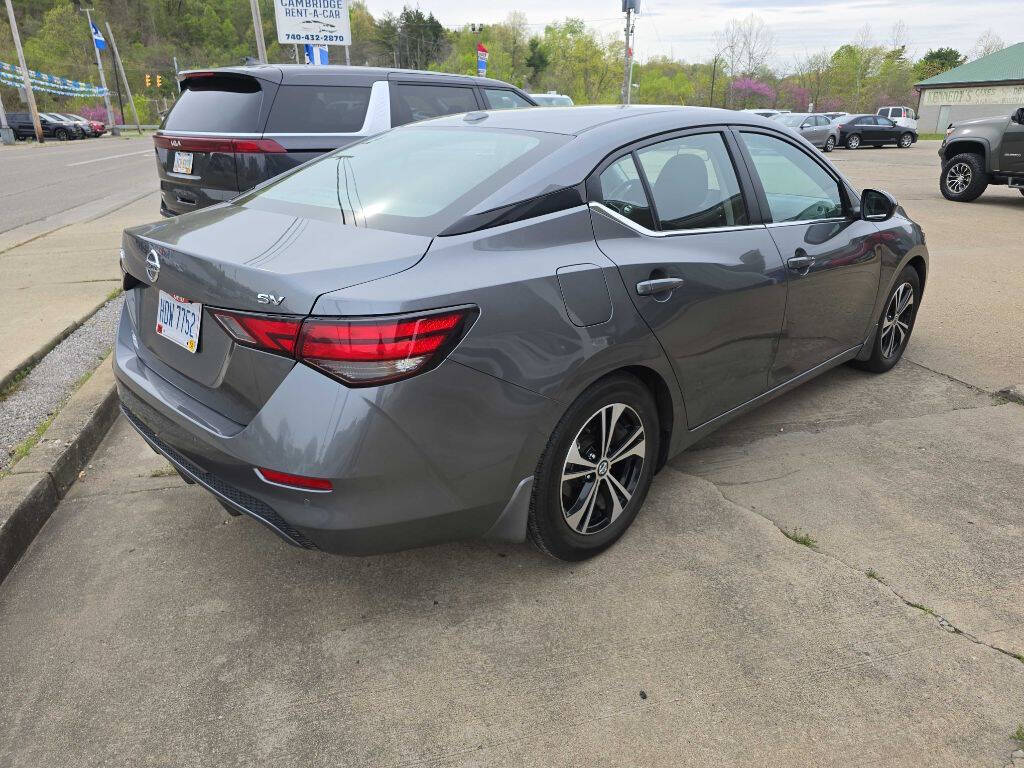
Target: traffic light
{"type": "Point", "coordinates": [147, 80]}
{"type": "Point", "coordinates": [159, 81]}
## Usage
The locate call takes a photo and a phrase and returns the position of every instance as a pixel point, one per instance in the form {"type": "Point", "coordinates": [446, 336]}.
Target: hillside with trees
{"type": "Point", "coordinates": [742, 69]}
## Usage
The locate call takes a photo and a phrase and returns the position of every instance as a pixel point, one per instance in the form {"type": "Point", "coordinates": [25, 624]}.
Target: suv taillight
{"type": "Point", "coordinates": [200, 144]}
{"type": "Point", "coordinates": [358, 351]}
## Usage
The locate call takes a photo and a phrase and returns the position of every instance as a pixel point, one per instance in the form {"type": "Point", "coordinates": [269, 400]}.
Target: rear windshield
{"type": "Point", "coordinates": [318, 109]}
{"type": "Point", "coordinates": [418, 180]}
{"type": "Point", "coordinates": [217, 104]}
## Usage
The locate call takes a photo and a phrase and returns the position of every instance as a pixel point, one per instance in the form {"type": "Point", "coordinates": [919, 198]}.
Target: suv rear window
{"type": "Point", "coordinates": [220, 104]}
{"type": "Point", "coordinates": [417, 180]}
{"type": "Point", "coordinates": [318, 109]}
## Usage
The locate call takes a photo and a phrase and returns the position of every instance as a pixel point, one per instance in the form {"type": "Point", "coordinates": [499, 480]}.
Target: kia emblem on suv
{"type": "Point", "coordinates": [152, 265]}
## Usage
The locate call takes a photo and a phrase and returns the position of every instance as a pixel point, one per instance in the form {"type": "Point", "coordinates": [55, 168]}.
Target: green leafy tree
{"type": "Point", "coordinates": [537, 59]}
{"type": "Point", "coordinates": [936, 61]}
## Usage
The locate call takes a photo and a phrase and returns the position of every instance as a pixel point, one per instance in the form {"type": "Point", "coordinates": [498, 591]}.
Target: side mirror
{"type": "Point", "coordinates": [1018, 116]}
{"type": "Point", "coordinates": [876, 205]}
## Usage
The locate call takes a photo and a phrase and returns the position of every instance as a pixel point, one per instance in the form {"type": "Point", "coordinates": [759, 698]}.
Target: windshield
{"type": "Point", "coordinates": [793, 121]}
{"type": "Point", "coordinates": [417, 180]}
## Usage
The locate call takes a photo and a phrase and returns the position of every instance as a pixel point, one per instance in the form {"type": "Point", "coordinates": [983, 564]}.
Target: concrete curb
{"type": "Point", "coordinates": [44, 350]}
{"type": "Point", "coordinates": [96, 209]}
{"type": "Point", "coordinates": [37, 483]}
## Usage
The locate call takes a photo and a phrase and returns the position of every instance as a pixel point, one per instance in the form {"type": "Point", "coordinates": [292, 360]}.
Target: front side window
{"type": "Point", "coordinates": [502, 98]}
{"type": "Point", "coordinates": [885, 122]}
{"type": "Point", "coordinates": [417, 180]}
{"type": "Point", "coordinates": [421, 102]}
{"type": "Point", "coordinates": [693, 183]}
{"type": "Point", "coordinates": [623, 192]}
{"type": "Point", "coordinates": [797, 188]}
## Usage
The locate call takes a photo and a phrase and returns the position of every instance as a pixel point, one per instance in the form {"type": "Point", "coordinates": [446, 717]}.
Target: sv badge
{"type": "Point", "coordinates": [269, 298]}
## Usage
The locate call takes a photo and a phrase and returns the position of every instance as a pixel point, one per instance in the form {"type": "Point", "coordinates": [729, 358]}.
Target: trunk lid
{"type": "Point", "coordinates": [227, 257]}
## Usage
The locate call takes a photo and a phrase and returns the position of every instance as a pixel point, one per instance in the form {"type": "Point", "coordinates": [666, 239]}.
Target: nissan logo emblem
{"type": "Point", "coordinates": [152, 265]}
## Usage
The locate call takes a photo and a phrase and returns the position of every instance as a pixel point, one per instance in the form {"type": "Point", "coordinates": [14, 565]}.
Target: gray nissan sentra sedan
{"type": "Point", "coordinates": [501, 324]}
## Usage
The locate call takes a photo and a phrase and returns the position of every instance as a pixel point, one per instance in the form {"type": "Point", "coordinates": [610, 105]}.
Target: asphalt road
{"type": "Point", "coordinates": [147, 627]}
{"type": "Point", "coordinates": [39, 181]}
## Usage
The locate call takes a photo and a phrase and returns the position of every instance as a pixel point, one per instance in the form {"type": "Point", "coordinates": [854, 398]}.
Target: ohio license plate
{"type": "Point", "coordinates": [183, 162]}
{"type": "Point", "coordinates": [178, 319]}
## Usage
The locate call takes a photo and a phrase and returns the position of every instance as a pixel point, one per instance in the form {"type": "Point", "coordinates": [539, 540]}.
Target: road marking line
{"type": "Point", "coordinates": [111, 157]}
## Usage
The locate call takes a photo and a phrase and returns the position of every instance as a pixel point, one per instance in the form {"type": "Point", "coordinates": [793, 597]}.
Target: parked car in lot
{"type": "Point", "coordinates": [976, 153]}
{"type": "Point", "coordinates": [873, 131]}
{"type": "Point", "coordinates": [552, 99]}
{"type": "Point", "coordinates": [904, 117]}
{"type": "Point", "coordinates": [91, 128]}
{"type": "Point", "coordinates": [501, 323]}
{"type": "Point", "coordinates": [235, 127]}
{"type": "Point", "coordinates": [817, 129]}
{"type": "Point", "coordinates": [54, 127]}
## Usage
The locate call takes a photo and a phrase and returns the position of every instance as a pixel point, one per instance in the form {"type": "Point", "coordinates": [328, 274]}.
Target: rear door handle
{"type": "Point", "coordinates": [661, 285]}
{"type": "Point", "coordinates": [801, 264]}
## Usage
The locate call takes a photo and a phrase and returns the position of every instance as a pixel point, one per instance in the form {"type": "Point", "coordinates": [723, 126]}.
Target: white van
{"type": "Point", "coordinates": [904, 117]}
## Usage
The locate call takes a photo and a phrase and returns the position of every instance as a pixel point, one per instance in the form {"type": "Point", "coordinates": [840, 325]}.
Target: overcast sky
{"type": "Point", "coordinates": [685, 29]}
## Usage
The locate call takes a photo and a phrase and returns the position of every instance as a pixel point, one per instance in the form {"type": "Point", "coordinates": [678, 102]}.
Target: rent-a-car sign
{"type": "Point", "coordinates": [318, 22]}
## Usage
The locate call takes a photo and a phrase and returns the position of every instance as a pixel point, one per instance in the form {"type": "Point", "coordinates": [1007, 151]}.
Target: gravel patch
{"type": "Point", "coordinates": [49, 385]}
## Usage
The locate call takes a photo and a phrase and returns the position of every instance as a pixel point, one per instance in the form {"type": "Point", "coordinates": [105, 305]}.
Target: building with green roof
{"type": "Point", "coordinates": [987, 87]}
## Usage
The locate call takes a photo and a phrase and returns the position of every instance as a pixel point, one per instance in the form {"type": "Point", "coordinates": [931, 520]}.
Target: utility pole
{"type": "Point", "coordinates": [124, 79]}
{"type": "Point", "coordinates": [714, 68]}
{"type": "Point", "coordinates": [257, 24]}
{"type": "Point", "coordinates": [29, 95]}
{"type": "Point", "coordinates": [114, 130]}
{"type": "Point", "coordinates": [628, 6]}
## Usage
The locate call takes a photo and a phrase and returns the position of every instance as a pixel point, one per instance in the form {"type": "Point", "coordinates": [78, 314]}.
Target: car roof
{"type": "Point", "coordinates": [301, 73]}
{"type": "Point", "coordinates": [591, 134]}
{"type": "Point", "coordinates": [632, 122]}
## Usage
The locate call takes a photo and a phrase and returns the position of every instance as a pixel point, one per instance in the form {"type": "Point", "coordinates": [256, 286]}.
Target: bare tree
{"type": "Point", "coordinates": [746, 46]}
{"type": "Point", "coordinates": [989, 42]}
{"type": "Point", "coordinates": [898, 35]}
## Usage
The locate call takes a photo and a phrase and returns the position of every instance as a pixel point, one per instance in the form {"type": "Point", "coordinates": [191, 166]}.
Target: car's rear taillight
{"type": "Point", "coordinates": [358, 351]}
{"type": "Point", "coordinates": [209, 144]}
{"type": "Point", "coordinates": [272, 333]}
{"type": "Point", "coordinates": [376, 350]}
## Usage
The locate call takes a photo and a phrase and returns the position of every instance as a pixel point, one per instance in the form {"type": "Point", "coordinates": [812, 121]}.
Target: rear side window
{"type": "Point", "coordinates": [693, 183]}
{"type": "Point", "coordinates": [623, 192]}
{"type": "Point", "coordinates": [217, 104]}
{"type": "Point", "coordinates": [502, 98]}
{"type": "Point", "coordinates": [318, 109]}
{"type": "Point", "coordinates": [417, 180]}
{"type": "Point", "coordinates": [421, 102]}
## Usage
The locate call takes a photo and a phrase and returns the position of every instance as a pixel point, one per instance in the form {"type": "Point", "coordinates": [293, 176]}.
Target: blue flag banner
{"type": "Point", "coordinates": [481, 60]}
{"type": "Point", "coordinates": [316, 54]}
{"type": "Point", "coordinates": [40, 81]}
{"type": "Point", "coordinates": [97, 38]}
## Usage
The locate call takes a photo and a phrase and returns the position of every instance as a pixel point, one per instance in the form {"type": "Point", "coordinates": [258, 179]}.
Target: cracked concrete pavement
{"type": "Point", "coordinates": [145, 626]}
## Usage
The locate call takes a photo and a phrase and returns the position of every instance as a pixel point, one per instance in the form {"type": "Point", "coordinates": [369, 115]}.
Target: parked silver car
{"type": "Point", "coordinates": [502, 323]}
{"type": "Point", "coordinates": [817, 129]}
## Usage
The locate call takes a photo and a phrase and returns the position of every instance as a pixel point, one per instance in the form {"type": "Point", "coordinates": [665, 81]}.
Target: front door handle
{"type": "Point", "coordinates": [661, 285]}
{"type": "Point", "coordinates": [801, 264]}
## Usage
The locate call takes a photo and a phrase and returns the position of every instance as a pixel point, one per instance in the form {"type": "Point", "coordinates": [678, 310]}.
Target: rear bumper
{"type": "Point", "coordinates": [430, 459]}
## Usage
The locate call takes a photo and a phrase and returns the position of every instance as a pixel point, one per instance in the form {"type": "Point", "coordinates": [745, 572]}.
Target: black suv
{"type": "Point", "coordinates": [234, 127]}
{"type": "Point", "coordinates": [61, 129]}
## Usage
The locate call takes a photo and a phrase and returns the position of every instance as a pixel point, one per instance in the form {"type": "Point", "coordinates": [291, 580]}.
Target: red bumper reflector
{"type": "Point", "coordinates": [299, 482]}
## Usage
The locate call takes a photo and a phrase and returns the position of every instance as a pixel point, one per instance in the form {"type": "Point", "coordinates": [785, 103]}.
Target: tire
{"type": "Point", "coordinates": [853, 141]}
{"type": "Point", "coordinates": [830, 144]}
{"type": "Point", "coordinates": [905, 141]}
{"type": "Point", "coordinates": [963, 177]}
{"type": "Point", "coordinates": [576, 517]}
{"type": "Point", "coordinates": [896, 323]}
{"type": "Point", "coordinates": [60, 134]}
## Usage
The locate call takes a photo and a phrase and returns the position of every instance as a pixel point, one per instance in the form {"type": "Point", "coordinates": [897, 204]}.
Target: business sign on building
{"type": "Point", "coordinates": [981, 94]}
{"type": "Point", "coordinates": [312, 22]}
